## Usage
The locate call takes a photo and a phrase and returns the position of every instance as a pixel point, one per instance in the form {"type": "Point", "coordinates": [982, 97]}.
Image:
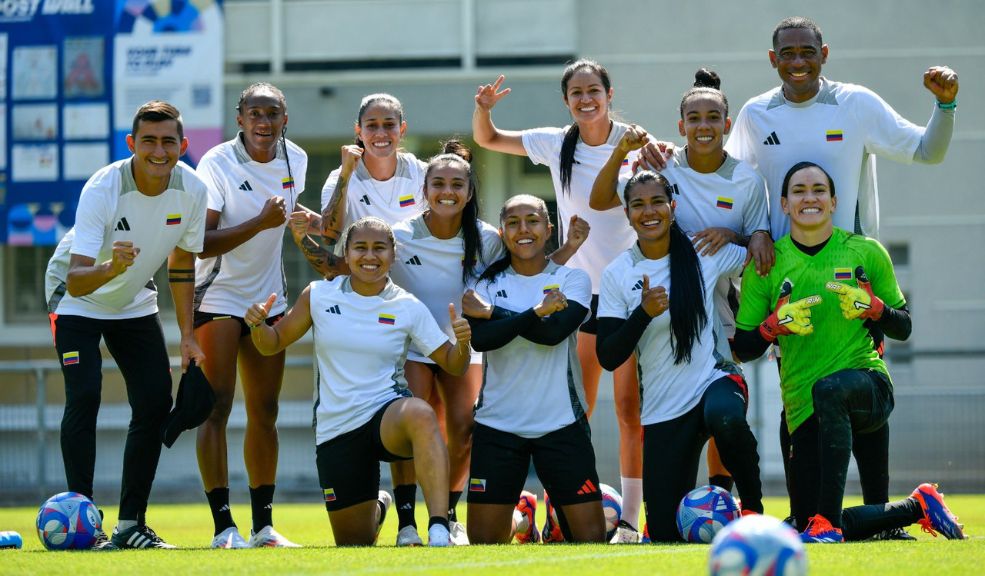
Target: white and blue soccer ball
{"type": "Point", "coordinates": [703, 512]}
{"type": "Point", "coordinates": [757, 545]}
{"type": "Point", "coordinates": [612, 507]}
{"type": "Point", "coordinates": [68, 521]}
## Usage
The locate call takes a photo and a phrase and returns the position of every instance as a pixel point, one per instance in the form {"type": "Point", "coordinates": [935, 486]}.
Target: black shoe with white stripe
{"type": "Point", "coordinates": [139, 537]}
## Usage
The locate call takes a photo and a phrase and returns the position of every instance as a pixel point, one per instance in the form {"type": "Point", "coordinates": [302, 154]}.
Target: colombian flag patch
{"type": "Point", "coordinates": [70, 358]}
{"type": "Point", "coordinates": [834, 135]}
{"type": "Point", "coordinates": [723, 202]}
{"type": "Point", "coordinates": [329, 494]}
{"type": "Point", "coordinates": [843, 273]}
{"type": "Point", "coordinates": [287, 183]}
{"type": "Point", "coordinates": [550, 287]}
{"type": "Point", "coordinates": [407, 200]}
{"type": "Point", "coordinates": [389, 319]}
{"type": "Point", "coordinates": [477, 485]}
{"type": "Point", "coordinates": [173, 219]}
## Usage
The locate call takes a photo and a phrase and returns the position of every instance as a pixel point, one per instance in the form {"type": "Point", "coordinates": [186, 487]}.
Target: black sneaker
{"type": "Point", "coordinates": [103, 543]}
{"type": "Point", "coordinates": [139, 537]}
{"type": "Point", "coordinates": [893, 534]}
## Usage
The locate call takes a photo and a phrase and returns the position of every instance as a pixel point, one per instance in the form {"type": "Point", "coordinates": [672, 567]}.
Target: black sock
{"type": "Point", "coordinates": [222, 516]}
{"type": "Point", "coordinates": [722, 481]}
{"type": "Point", "coordinates": [405, 497]}
{"type": "Point", "coordinates": [438, 520]}
{"type": "Point", "coordinates": [453, 498]}
{"type": "Point", "coordinates": [262, 500]}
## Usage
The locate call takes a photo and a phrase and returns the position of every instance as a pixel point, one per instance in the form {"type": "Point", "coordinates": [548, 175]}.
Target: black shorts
{"type": "Point", "coordinates": [201, 318]}
{"type": "Point", "coordinates": [591, 326]}
{"type": "Point", "coordinates": [564, 461]}
{"type": "Point", "coordinates": [349, 464]}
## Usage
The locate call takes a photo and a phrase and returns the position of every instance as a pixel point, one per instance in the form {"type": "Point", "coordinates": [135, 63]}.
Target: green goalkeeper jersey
{"type": "Point", "coordinates": [836, 343]}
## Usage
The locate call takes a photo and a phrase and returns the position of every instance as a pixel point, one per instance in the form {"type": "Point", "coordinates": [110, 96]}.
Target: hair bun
{"type": "Point", "coordinates": [705, 78]}
{"type": "Point", "coordinates": [457, 148]}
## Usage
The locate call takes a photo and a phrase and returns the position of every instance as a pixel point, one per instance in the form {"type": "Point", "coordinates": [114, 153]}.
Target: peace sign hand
{"type": "Point", "coordinates": [488, 95]}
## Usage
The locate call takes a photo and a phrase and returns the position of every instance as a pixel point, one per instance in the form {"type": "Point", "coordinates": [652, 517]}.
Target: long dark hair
{"type": "Point", "coordinates": [455, 152]}
{"type": "Point", "coordinates": [571, 136]}
{"type": "Point", "coordinates": [687, 285]}
{"type": "Point", "coordinates": [379, 98]}
{"type": "Point", "coordinates": [500, 266]}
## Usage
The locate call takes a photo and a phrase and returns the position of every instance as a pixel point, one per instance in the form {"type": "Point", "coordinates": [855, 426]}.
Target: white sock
{"type": "Point", "coordinates": [122, 525]}
{"type": "Point", "coordinates": [632, 500]}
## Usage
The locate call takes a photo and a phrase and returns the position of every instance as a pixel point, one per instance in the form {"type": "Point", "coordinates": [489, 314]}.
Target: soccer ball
{"type": "Point", "coordinates": [68, 521]}
{"type": "Point", "coordinates": [703, 512]}
{"type": "Point", "coordinates": [757, 545]}
{"type": "Point", "coordinates": [612, 507]}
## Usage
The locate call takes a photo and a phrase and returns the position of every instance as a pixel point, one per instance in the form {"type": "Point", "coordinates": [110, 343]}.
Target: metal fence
{"type": "Point", "coordinates": [938, 434]}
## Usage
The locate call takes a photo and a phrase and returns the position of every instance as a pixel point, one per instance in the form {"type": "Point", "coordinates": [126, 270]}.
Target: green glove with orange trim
{"type": "Point", "coordinates": [789, 317]}
{"type": "Point", "coordinates": [858, 302]}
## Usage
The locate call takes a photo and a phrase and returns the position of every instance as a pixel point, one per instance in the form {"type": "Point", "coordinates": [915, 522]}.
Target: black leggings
{"type": "Point", "coordinates": [671, 451]}
{"type": "Point", "coordinates": [138, 347]}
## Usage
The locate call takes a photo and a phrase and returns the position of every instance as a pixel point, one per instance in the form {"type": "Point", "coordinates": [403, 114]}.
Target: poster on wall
{"type": "Point", "coordinates": [72, 74]}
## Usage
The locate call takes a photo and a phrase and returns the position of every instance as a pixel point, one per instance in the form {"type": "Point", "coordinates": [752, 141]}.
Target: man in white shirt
{"type": "Point", "coordinates": [132, 215]}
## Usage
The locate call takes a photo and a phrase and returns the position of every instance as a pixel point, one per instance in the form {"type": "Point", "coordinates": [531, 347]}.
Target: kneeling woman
{"type": "Point", "coordinates": [363, 324]}
{"type": "Point", "coordinates": [525, 312]}
{"type": "Point", "coordinates": [657, 299]}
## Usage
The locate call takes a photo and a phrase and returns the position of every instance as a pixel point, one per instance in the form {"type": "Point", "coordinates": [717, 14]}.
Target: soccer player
{"type": "Point", "coordinates": [720, 200]}
{"type": "Point", "coordinates": [525, 312]}
{"type": "Point", "coordinates": [254, 183]}
{"type": "Point", "coordinates": [439, 253]}
{"type": "Point", "coordinates": [657, 300]}
{"type": "Point", "coordinates": [817, 303]}
{"type": "Point", "coordinates": [363, 325]}
{"type": "Point", "coordinates": [575, 154]}
{"type": "Point", "coordinates": [132, 216]}
{"type": "Point", "coordinates": [843, 128]}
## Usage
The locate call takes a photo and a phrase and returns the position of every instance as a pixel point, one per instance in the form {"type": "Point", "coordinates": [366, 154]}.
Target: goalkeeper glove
{"type": "Point", "coordinates": [858, 302]}
{"type": "Point", "coordinates": [789, 317]}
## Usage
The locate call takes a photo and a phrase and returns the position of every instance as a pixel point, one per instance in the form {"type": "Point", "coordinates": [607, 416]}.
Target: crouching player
{"type": "Point", "coordinates": [362, 326]}
{"type": "Point", "coordinates": [826, 290]}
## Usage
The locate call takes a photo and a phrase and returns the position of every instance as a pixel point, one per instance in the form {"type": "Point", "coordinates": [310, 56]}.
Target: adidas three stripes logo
{"type": "Point", "coordinates": [334, 310]}
{"type": "Point", "coordinates": [772, 140]}
{"type": "Point", "coordinates": [246, 186]}
{"type": "Point", "coordinates": [637, 286]}
{"type": "Point", "coordinates": [413, 261]}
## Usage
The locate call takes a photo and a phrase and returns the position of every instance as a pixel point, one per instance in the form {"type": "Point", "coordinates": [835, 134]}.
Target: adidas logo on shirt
{"type": "Point", "coordinates": [246, 186]}
{"type": "Point", "coordinates": [334, 310]}
{"type": "Point", "coordinates": [773, 140]}
{"type": "Point", "coordinates": [677, 191]}
{"type": "Point", "coordinates": [365, 200]}
{"type": "Point", "coordinates": [501, 294]}
{"type": "Point", "coordinates": [637, 286]}
{"type": "Point", "coordinates": [413, 261]}
{"type": "Point", "coordinates": [122, 225]}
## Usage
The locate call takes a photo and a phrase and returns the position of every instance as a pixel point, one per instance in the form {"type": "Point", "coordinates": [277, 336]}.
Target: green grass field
{"type": "Point", "coordinates": [190, 527]}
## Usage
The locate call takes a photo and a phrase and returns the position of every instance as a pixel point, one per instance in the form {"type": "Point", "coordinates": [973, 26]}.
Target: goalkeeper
{"type": "Point", "coordinates": [827, 288]}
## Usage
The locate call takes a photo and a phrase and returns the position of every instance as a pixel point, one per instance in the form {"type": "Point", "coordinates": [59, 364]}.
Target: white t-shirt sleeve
{"type": "Point", "coordinates": [730, 260]}
{"type": "Point", "coordinates": [887, 134]}
{"type": "Point", "coordinates": [542, 144]}
{"type": "Point", "coordinates": [425, 333]}
{"type": "Point", "coordinates": [740, 142]}
{"type": "Point", "coordinates": [93, 214]}
{"type": "Point", "coordinates": [193, 240]}
{"type": "Point", "coordinates": [754, 215]}
{"type": "Point", "coordinates": [612, 304]}
{"type": "Point", "coordinates": [577, 287]}
{"type": "Point", "coordinates": [208, 172]}
{"type": "Point", "coordinates": [329, 188]}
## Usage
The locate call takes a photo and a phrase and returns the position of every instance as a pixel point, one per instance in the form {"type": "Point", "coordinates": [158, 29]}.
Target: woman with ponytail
{"type": "Point", "coordinates": [575, 154]}
{"type": "Point", "coordinates": [439, 253]}
{"type": "Point", "coordinates": [254, 183]}
{"type": "Point", "coordinates": [657, 300]}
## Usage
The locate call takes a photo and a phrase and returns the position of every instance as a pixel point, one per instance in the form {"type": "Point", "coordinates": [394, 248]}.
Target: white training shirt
{"type": "Point", "coordinates": [238, 188]}
{"type": "Point", "coordinates": [842, 129]}
{"type": "Point", "coordinates": [531, 389]}
{"type": "Point", "coordinates": [399, 198]}
{"type": "Point", "coordinates": [112, 209]}
{"type": "Point", "coordinates": [431, 269]}
{"type": "Point", "coordinates": [669, 390]}
{"type": "Point", "coordinates": [360, 346]}
{"type": "Point", "coordinates": [611, 232]}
